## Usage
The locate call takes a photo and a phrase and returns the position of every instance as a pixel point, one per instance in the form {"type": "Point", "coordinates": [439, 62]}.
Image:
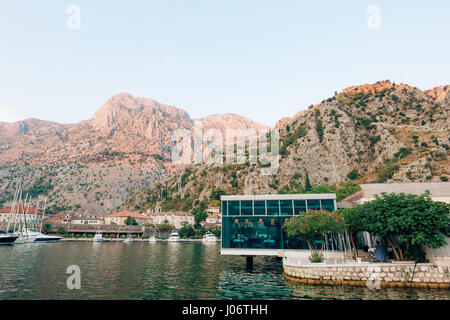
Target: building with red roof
{"type": "Point", "coordinates": [119, 218]}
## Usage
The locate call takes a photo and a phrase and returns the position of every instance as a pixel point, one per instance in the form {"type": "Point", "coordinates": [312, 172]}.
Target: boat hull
{"type": "Point", "coordinates": [209, 240]}
{"type": "Point", "coordinates": [7, 240]}
{"type": "Point", "coordinates": [47, 239]}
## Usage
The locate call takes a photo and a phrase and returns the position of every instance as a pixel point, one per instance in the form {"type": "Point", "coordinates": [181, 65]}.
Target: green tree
{"type": "Point", "coordinates": [407, 221]}
{"type": "Point", "coordinates": [186, 231]}
{"type": "Point", "coordinates": [130, 221]}
{"type": "Point", "coordinates": [199, 216]}
{"type": "Point", "coordinates": [353, 175]}
{"type": "Point", "coordinates": [216, 193]}
{"type": "Point", "coordinates": [353, 225]}
{"type": "Point", "coordinates": [308, 186]}
{"type": "Point", "coordinates": [314, 224]}
{"type": "Point", "coordinates": [47, 228]}
{"type": "Point", "coordinates": [61, 230]}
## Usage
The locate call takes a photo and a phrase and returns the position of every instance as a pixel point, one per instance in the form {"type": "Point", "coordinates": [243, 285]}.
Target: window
{"type": "Point", "coordinates": [260, 208]}
{"type": "Point", "coordinates": [313, 204]}
{"type": "Point", "coordinates": [224, 208]}
{"type": "Point", "coordinates": [328, 204]}
{"type": "Point", "coordinates": [286, 207]}
{"type": "Point", "coordinates": [252, 232]}
{"type": "Point", "coordinates": [273, 208]}
{"type": "Point", "coordinates": [233, 208]}
{"type": "Point", "coordinates": [246, 208]}
{"type": "Point", "coordinates": [299, 206]}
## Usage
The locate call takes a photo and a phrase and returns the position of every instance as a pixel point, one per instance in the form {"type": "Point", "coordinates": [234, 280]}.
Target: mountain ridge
{"type": "Point", "coordinates": [381, 131]}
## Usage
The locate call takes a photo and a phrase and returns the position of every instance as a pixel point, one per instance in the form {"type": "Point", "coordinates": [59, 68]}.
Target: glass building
{"type": "Point", "coordinates": [253, 224]}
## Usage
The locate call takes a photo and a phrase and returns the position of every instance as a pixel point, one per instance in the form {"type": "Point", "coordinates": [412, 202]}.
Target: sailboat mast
{"type": "Point", "coordinates": [12, 207]}
{"type": "Point", "coordinates": [17, 209]}
{"type": "Point", "coordinates": [25, 214]}
{"type": "Point", "coordinates": [43, 214]}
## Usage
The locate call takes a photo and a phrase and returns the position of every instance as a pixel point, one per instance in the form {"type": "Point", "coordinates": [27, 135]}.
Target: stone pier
{"type": "Point", "coordinates": [423, 275]}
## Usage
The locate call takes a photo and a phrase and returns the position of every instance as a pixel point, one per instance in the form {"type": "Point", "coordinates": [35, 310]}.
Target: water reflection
{"type": "Point", "coordinates": [142, 270]}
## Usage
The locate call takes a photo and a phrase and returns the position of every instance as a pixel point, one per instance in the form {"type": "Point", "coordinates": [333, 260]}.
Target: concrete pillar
{"type": "Point", "coordinates": [249, 261]}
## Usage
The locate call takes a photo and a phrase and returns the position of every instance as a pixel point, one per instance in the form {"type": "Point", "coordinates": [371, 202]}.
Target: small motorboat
{"type": "Point", "coordinates": [128, 239]}
{"type": "Point", "coordinates": [153, 238]}
{"type": "Point", "coordinates": [98, 237]}
{"type": "Point", "coordinates": [209, 237]}
{"type": "Point", "coordinates": [174, 236]}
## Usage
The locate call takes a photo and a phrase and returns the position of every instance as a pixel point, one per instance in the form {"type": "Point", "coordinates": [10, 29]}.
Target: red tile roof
{"type": "Point", "coordinates": [30, 210]}
{"type": "Point", "coordinates": [355, 197]}
{"type": "Point", "coordinates": [125, 214]}
{"type": "Point", "coordinates": [172, 213]}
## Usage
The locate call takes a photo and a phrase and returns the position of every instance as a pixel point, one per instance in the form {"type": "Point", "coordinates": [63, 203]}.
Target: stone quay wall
{"type": "Point", "coordinates": [372, 275]}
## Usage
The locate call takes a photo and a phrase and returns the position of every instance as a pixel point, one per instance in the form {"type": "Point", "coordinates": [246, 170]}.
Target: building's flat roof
{"type": "Point", "coordinates": [437, 189]}
{"type": "Point", "coordinates": [298, 196]}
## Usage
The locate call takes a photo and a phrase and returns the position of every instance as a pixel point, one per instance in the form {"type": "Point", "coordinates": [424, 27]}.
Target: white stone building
{"type": "Point", "coordinates": [174, 218]}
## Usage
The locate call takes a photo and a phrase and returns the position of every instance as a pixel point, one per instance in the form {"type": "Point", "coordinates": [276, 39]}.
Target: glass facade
{"type": "Point", "coordinates": [258, 224]}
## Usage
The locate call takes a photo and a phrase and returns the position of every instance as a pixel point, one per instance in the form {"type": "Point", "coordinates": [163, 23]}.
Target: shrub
{"type": "Point", "coordinates": [316, 257]}
{"type": "Point", "coordinates": [314, 224]}
{"type": "Point", "coordinates": [353, 175]}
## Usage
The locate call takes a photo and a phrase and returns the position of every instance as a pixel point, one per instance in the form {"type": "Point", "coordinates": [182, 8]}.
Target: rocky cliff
{"type": "Point", "coordinates": [96, 164]}
{"type": "Point", "coordinates": [382, 132]}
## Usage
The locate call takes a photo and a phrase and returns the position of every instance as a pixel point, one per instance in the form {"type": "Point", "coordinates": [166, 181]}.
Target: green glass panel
{"type": "Point", "coordinates": [273, 208]}
{"type": "Point", "coordinates": [246, 208]}
{"type": "Point", "coordinates": [233, 208]}
{"type": "Point", "coordinates": [286, 207]}
{"type": "Point", "coordinates": [299, 206]}
{"type": "Point", "coordinates": [313, 204]}
{"type": "Point", "coordinates": [328, 204]}
{"type": "Point", "coordinates": [260, 208]}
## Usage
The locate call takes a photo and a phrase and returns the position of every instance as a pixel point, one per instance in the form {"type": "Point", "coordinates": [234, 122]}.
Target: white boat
{"type": "Point", "coordinates": [47, 238]}
{"type": "Point", "coordinates": [153, 238]}
{"type": "Point", "coordinates": [174, 236]}
{"type": "Point", "coordinates": [209, 237]}
{"type": "Point", "coordinates": [31, 235]}
{"type": "Point", "coordinates": [98, 237]}
{"type": "Point", "coordinates": [20, 239]}
{"type": "Point", "coordinates": [128, 239]}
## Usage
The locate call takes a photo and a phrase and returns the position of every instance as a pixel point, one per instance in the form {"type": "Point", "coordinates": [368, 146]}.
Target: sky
{"type": "Point", "coordinates": [258, 58]}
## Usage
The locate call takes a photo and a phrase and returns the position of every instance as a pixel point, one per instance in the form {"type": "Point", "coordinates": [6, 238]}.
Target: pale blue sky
{"type": "Point", "coordinates": [258, 58]}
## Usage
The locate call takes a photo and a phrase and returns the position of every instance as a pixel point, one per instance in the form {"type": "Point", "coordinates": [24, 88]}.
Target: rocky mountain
{"type": "Point", "coordinates": [120, 157]}
{"type": "Point", "coordinates": [383, 132]}
{"type": "Point", "coordinates": [230, 121]}
{"type": "Point", "coordinates": [96, 164]}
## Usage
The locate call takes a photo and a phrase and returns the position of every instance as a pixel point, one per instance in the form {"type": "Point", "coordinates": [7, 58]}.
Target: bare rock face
{"type": "Point", "coordinates": [138, 115]}
{"type": "Point", "coordinates": [230, 121]}
{"type": "Point", "coordinates": [439, 94]}
{"type": "Point", "coordinates": [383, 132]}
{"type": "Point", "coordinates": [129, 140]}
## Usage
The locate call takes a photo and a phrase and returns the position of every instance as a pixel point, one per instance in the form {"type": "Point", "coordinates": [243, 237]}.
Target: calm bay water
{"type": "Point", "coordinates": [161, 271]}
